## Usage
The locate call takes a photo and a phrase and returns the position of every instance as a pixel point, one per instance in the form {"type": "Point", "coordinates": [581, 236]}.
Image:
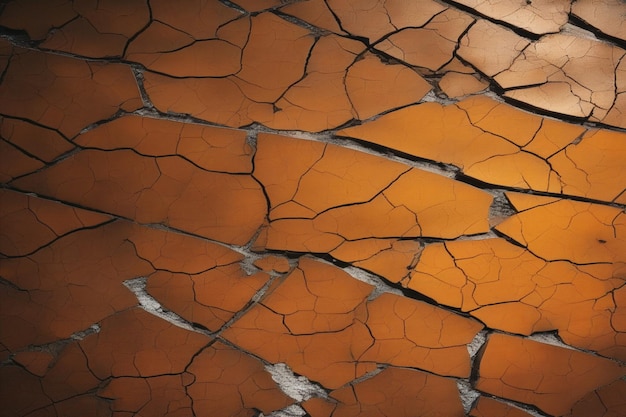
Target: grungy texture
{"type": "Point", "coordinates": [320, 208]}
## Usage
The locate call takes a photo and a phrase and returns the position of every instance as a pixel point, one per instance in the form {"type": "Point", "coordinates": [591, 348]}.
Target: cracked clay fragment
{"type": "Point", "coordinates": [374, 87]}
{"type": "Point", "coordinates": [595, 167]}
{"type": "Point", "coordinates": [606, 401]}
{"type": "Point", "coordinates": [373, 20]}
{"type": "Point", "coordinates": [65, 93]}
{"type": "Point", "coordinates": [156, 396]}
{"type": "Point", "coordinates": [576, 231]}
{"type": "Point", "coordinates": [209, 58]}
{"type": "Point", "coordinates": [389, 258]}
{"type": "Point", "coordinates": [315, 12]}
{"type": "Point", "coordinates": [553, 74]}
{"type": "Point", "coordinates": [309, 322]}
{"type": "Point", "coordinates": [28, 223]}
{"type": "Point", "coordinates": [166, 190]}
{"type": "Point", "coordinates": [316, 298]}
{"type": "Point", "coordinates": [210, 148]}
{"type": "Point", "coordinates": [525, 150]}
{"type": "Point", "coordinates": [273, 59]}
{"type": "Point", "coordinates": [100, 31]}
{"type": "Point", "coordinates": [510, 289]}
{"type": "Point", "coordinates": [431, 46]}
{"type": "Point", "coordinates": [208, 298]}
{"type": "Point", "coordinates": [199, 19]}
{"type": "Point", "coordinates": [69, 375]}
{"type": "Point", "coordinates": [14, 163]}
{"type": "Point", "coordinates": [446, 134]}
{"type": "Point", "coordinates": [70, 284]}
{"type": "Point", "coordinates": [550, 377]}
{"type": "Point", "coordinates": [137, 343]}
{"type": "Point", "coordinates": [490, 48]}
{"type": "Point", "coordinates": [320, 99]}
{"type": "Point", "coordinates": [414, 334]}
{"type": "Point", "coordinates": [217, 100]}
{"type": "Point", "coordinates": [176, 252]}
{"type": "Point", "coordinates": [44, 144]}
{"type": "Point", "coordinates": [537, 16]}
{"type": "Point", "coordinates": [456, 85]}
{"type": "Point", "coordinates": [397, 392]}
{"type": "Point", "coordinates": [607, 16]}
{"type": "Point", "coordinates": [336, 194]}
{"type": "Point", "coordinates": [228, 382]}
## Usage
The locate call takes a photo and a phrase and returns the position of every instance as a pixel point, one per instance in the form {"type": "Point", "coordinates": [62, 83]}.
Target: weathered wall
{"type": "Point", "coordinates": [324, 208]}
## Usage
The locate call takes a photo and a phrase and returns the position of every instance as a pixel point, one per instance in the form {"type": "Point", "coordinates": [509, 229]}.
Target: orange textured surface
{"type": "Point", "coordinates": [316, 208]}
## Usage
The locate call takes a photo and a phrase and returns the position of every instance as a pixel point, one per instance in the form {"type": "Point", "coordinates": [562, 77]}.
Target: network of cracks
{"type": "Point", "coordinates": [323, 208]}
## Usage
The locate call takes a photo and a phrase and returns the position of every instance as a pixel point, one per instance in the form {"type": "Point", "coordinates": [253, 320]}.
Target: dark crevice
{"type": "Point", "coordinates": [478, 15]}
{"type": "Point", "coordinates": [578, 21]}
{"type": "Point", "coordinates": [489, 186]}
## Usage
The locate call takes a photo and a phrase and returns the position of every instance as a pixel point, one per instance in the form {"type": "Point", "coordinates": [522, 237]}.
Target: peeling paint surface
{"type": "Point", "coordinates": [314, 208]}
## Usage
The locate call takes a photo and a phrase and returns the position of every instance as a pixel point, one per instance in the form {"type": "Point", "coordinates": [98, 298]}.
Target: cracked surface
{"type": "Point", "coordinates": [314, 208]}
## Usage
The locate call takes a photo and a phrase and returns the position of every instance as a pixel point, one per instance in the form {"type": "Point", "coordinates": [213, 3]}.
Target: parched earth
{"type": "Point", "coordinates": [323, 208]}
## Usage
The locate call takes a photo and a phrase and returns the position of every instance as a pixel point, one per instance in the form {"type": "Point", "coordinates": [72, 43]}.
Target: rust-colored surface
{"type": "Point", "coordinates": [314, 208]}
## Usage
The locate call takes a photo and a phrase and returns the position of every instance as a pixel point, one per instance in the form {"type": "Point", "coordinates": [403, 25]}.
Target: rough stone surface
{"type": "Point", "coordinates": [324, 208]}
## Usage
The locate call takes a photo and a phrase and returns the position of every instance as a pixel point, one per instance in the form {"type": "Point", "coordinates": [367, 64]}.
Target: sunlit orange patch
{"type": "Point", "coordinates": [535, 373]}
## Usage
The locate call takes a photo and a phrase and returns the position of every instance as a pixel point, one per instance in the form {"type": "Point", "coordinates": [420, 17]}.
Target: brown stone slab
{"type": "Point", "coordinates": [137, 343]}
{"type": "Point", "coordinates": [538, 17]}
{"type": "Point", "coordinates": [315, 12]}
{"type": "Point", "coordinates": [156, 190]}
{"type": "Point", "coordinates": [414, 334]}
{"type": "Point", "coordinates": [66, 93]}
{"type": "Point", "coordinates": [503, 45]}
{"type": "Point", "coordinates": [605, 15]}
{"type": "Point", "coordinates": [69, 376]}
{"type": "Point", "coordinates": [456, 85]}
{"type": "Point", "coordinates": [550, 377]}
{"type": "Point", "coordinates": [560, 82]}
{"type": "Point", "coordinates": [374, 87]}
{"type": "Point", "coordinates": [45, 144]}
{"type": "Point", "coordinates": [227, 382]}
{"type": "Point", "coordinates": [374, 20]}
{"type": "Point", "coordinates": [606, 401]}
{"type": "Point", "coordinates": [576, 231]}
{"type": "Point", "coordinates": [161, 395]}
{"type": "Point", "coordinates": [14, 163]}
{"type": "Point", "coordinates": [399, 392]}
{"type": "Point", "coordinates": [431, 46]}
{"type": "Point", "coordinates": [209, 298]}
{"type": "Point", "coordinates": [210, 148]}
{"type": "Point", "coordinates": [69, 285]}
{"type": "Point", "coordinates": [28, 223]}
{"type": "Point", "coordinates": [200, 19]}
{"type": "Point", "coordinates": [351, 195]}
{"type": "Point", "coordinates": [511, 289]}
